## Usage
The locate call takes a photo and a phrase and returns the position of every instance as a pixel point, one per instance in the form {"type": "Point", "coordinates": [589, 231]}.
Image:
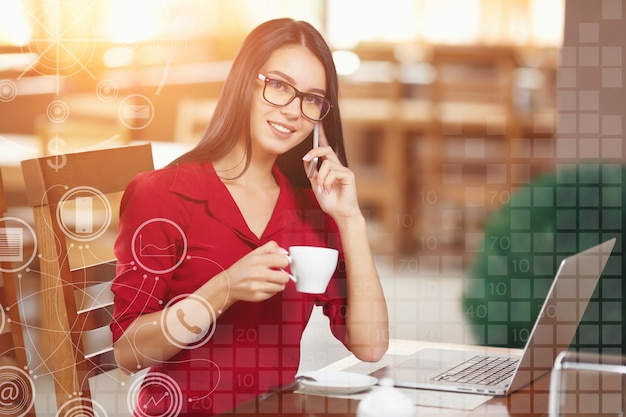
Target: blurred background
{"type": "Point", "coordinates": [443, 102]}
{"type": "Point", "coordinates": [448, 106]}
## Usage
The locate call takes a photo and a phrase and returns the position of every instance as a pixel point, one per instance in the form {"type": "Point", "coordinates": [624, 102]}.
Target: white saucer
{"type": "Point", "coordinates": [338, 382]}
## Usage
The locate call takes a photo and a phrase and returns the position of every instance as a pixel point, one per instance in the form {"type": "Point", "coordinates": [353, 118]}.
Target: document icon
{"type": "Point", "coordinates": [136, 111]}
{"type": "Point", "coordinates": [11, 244]}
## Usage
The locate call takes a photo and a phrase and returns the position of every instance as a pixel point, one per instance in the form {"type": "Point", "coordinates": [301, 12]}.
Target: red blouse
{"type": "Point", "coordinates": [179, 227]}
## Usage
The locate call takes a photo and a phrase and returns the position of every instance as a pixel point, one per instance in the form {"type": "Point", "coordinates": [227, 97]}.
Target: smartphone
{"type": "Point", "coordinates": [84, 215]}
{"type": "Point", "coordinates": [316, 143]}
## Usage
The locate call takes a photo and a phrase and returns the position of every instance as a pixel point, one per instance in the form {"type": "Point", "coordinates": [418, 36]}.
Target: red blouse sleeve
{"type": "Point", "coordinates": [141, 284]}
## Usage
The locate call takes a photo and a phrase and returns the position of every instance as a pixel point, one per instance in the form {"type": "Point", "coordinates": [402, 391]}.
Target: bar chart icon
{"type": "Point", "coordinates": [11, 244]}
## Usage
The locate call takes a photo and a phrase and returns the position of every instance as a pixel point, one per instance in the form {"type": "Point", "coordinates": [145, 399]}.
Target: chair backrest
{"type": "Point", "coordinates": [75, 210]}
{"type": "Point", "coordinates": [19, 399]}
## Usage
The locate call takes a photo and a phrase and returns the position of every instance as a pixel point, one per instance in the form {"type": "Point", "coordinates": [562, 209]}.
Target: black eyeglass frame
{"type": "Point", "coordinates": [298, 94]}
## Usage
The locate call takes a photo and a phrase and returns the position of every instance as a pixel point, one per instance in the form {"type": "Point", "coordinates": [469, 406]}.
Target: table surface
{"type": "Point", "coordinates": [531, 400]}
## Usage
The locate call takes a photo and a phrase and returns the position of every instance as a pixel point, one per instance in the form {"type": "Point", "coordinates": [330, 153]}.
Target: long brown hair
{"type": "Point", "coordinates": [231, 117]}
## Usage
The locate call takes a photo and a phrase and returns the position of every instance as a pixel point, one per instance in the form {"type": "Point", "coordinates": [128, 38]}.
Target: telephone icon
{"type": "Point", "coordinates": [180, 314]}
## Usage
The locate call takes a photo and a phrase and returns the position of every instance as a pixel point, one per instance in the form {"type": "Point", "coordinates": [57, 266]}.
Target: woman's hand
{"type": "Point", "coordinates": [258, 275]}
{"type": "Point", "coordinates": [367, 319]}
{"type": "Point", "coordinates": [333, 184]}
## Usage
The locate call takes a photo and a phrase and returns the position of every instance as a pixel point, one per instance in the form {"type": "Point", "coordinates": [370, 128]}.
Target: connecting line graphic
{"type": "Point", "coordinates": [158, 401]}
{"type": "Point", "coordinates": [43, 359]}
{"type": "Point", "coordinates": [48, 225]}
{"type": "Point", "coordinates": [164, 77]}
{"type": "Point", "coordinates": [215, 385]}
{"type": "Point", "coordinates": [220, 310]}
{"type": "Point", "coordinates": [141, 292]}
{"type": "Point", "coordinates": [23, 324]}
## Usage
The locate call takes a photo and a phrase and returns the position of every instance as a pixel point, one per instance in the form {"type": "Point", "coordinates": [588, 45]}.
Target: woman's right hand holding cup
{"type": "Point", "coordinates": [259, 275]}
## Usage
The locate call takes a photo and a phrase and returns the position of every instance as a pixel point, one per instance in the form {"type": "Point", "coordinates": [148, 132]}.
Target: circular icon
{"type": "Point", "coordinates": [164, 398]}
{"type": "Point", "coordinates": [8, 90]}
{"type": "Point", "coordinates": [180, 324]}
{"type": "Point", "coordinates": [13, 238]}
{"type": "Point", "coordinates": [58, 111]}
{"type": "Point", "coordinates": [107, 90]}
{"type": "Point", "coordinates": [84, 213]}
{"type": "Point", "coordinates": [17, 392]}
{"type": "Point", "coordinates": [136, 111]}
{"type": "Point", "coordinates": [157, 257]}
{"type": "Point", "coordinates": [63, 40]}
{"type": "Point", "coordinates": [81, 407]}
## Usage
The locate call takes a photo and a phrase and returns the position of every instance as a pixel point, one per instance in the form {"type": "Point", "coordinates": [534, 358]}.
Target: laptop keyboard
{"type": "Point", "coordinates": [482, 370]}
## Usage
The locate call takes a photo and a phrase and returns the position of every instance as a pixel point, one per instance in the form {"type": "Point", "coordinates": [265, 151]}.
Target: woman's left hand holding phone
{"type": "Point", "coordinates": [333, 183]}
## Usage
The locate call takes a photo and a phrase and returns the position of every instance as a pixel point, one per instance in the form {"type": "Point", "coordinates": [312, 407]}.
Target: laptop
{"type": "Point", "coordinates": [553, 331]}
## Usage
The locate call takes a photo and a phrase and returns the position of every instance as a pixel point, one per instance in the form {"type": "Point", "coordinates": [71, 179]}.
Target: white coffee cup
{"type": "Point", "coordinates": [312, 267]}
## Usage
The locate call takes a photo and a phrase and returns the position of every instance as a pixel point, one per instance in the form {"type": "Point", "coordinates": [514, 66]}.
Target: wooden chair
{"type": "Point", "coordinates": [14, 363]}
{"type": "Point", "coordinates": [75, 209]}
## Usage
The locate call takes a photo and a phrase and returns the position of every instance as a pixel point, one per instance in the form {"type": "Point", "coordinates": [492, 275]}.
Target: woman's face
{"type": "Point", "coordinates": [277, 129]}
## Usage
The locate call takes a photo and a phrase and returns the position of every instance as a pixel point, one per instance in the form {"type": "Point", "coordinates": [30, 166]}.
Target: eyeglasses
{"type": "Point", "coordinates": [281, 93]}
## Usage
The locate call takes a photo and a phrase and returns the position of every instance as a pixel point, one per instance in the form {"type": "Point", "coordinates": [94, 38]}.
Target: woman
{"type": "Point", "coordinates": [201, 293]}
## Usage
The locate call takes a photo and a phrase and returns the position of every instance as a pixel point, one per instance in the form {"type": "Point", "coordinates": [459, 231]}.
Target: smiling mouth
{"type": "Point", "coordinates": [280, 128]}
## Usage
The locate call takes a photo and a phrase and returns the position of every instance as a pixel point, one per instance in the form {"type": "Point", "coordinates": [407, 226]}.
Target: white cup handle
{"type": "Point", "coordinates": [292, 277]}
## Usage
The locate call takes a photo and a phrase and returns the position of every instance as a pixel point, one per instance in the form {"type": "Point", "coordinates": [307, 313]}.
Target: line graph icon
{"type": "Point", "coordinates": [165, 398]}
{"type": "Point", "coordinates": [152, 250]}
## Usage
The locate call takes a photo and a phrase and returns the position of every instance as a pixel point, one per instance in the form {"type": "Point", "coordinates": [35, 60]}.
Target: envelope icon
{"type": "Point", "coordinates": [136, 111]}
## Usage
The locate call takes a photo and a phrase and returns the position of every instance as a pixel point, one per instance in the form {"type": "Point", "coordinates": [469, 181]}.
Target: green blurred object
{"type": "Point", "coordinates": [556, 215]}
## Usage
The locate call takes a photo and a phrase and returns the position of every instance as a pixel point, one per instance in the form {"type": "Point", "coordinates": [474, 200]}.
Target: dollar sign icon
{"type": "Point", "coordinates": [58, 160]}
